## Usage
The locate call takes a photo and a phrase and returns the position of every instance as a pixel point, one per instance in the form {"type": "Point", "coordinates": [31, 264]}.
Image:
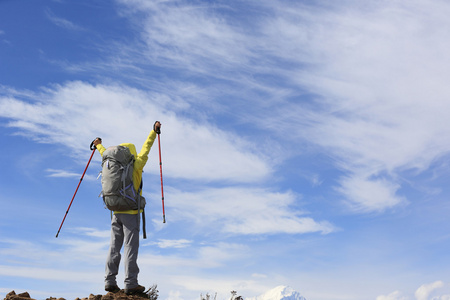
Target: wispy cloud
{"type": "Point", "coordinates": [369, 90]}
{"type": "Point", "coordinates": [244, 211]}
{"type": "Point", "coordinates": [368, 195]}
{"type": "Point", "coordinates": [47, 261]}
{"type": "Point", "coordinates": [392, 296]}
{"type": "Point", "coordinates": [61, 22]}
{"type": "Point", "coordinates": [352, 81]}
{"type": "Point", "coordinates": [66, 174]}
{"type": "Point", "coordinates": [424, 291]}
{"type": "Point", "coordinates": [189, 36]}
{"type": "Point", "coordinates": [91, 232]}
{"type": "Point", "coordinates": [364, 85]}
{"type": "Point", "coordinates": [54, 274]}
{"type": "Point", "coordinates": [362, 119]}
{"type": "Point", "coordinates": [221, 286]}
{"type": "Point", "coordinates": [163, 243]}
{"type": "Point", "coordinates": [60, 252]}
{"type": "Point", "coordinates": [195, 150]}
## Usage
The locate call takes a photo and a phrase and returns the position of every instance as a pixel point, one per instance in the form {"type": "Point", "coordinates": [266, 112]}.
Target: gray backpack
{"type": "Point", "coordinates": [118, 189]}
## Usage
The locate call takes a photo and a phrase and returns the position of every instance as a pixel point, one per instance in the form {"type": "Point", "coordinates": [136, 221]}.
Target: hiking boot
{"type": "Point", "coordinates": [112, 288]}
{"type": "Point", "coordinates": [136, 290]}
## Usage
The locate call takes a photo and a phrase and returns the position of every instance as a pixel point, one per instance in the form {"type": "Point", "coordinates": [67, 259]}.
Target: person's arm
{"type": "Point", "coordinates": [99, 146]}
{"type": "Point", "coordinates": [145, 150]}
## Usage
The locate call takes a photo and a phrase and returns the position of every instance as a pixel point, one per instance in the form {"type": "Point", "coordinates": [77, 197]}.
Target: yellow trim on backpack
{"type": "Point", "coordinates": [128, 212]}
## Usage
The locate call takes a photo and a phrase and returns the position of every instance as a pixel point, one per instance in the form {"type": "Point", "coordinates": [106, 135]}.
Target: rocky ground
{"type": "Point", "coordinates": [152, 294]}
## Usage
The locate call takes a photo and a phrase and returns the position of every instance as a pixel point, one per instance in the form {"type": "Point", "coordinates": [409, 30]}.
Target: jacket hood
{"type": "Point", "coordinates": [131, 147]}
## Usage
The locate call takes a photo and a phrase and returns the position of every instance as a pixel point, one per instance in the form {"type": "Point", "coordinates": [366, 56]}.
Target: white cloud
{"type": "Point", "coordinates": [75, 113]}
{"type": "Point", "coordinates": [70, 260]}
{"type": "Point", "coordinates": [174, 295]}
{"type": "Point", "coordinates": [424, 291]}
{"type": "Point", "coordinates": [348, 79]}
{"type": "Point", "coordinates": [367, 66]}
{"type": "Point", "coordinates": [199, 257]}
{"type": "Point", "coordinates": [392, 296]}
{"type": "Point", "coordinates": [66, 174]}
{"type": "Point", "coordinates": [53, 274]}
{"type": "Point", "coordinates": [59, 252]}
{"type": "Point", "coordinates": [92, 232]}
{"type": "Point", "coordinates": [182, 243]}
{"type": "Point", "coordinates": [379, 104]}
{"type": "Point", "coordinates": [61, 22]}
{"type": "Point", "coordinates": [191, 37]}
{"type": "Point", "coordinates": [243, 211]}
{"type": "Point", "coordinates": [370, 195]}
{"type": "Point", "coordinates": [189, 150]}
{"type": "Point", "coordinates": [61, 173]}
{"type": "Point", "coordinates": [216, 284]}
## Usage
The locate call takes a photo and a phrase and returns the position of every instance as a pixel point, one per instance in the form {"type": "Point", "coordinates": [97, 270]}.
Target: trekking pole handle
{"type": "Point", "coordinates": [92, 147]}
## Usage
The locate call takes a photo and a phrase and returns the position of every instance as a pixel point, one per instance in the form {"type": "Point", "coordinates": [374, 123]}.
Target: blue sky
{"type": "Point", "coordinates": [304, 143]}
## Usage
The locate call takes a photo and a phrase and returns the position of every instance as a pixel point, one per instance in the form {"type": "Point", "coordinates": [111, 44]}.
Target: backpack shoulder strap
{"type": "Point", "coordinates": [139, 212]}
{"type": "Point", "coordinates": [143, 224]}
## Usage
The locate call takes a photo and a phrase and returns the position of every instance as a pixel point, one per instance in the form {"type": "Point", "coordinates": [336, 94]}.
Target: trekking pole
{"type": "Point", "coordinates": [160, 169]}
{"type": "Point", "coordinates": [92, 147]}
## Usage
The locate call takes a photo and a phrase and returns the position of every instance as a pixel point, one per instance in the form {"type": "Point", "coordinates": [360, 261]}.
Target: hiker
{"type": "Point", "coordinates": [125, 225]}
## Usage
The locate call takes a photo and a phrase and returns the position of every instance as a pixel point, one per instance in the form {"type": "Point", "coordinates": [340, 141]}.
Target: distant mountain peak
{"type": "Point", "coordinates": [281, 292]}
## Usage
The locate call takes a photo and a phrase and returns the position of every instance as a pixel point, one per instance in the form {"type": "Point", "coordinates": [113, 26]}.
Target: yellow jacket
{"type": "Point", "coordinates": [139, 162]}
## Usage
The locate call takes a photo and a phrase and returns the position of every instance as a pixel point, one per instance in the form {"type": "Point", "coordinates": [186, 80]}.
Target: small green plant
{"type": "Point", "coordinates": [207, 296]}
{"type": "Point", "coordinates": [153, 293]}
{"type": "Point", "coordinates": [235, 297]}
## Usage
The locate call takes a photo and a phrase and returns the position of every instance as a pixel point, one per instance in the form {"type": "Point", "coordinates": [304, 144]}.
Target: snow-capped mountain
{"type": "Point", "coordinates": [279, 293]}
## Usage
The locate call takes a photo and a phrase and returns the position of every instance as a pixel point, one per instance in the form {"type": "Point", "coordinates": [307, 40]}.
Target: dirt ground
{"type": "Point", "coordinates": [151, 295]}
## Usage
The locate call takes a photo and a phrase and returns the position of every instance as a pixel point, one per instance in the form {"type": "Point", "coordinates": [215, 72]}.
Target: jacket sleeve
{"type": "Point", "coordinates": [142, 157]}
{"type": "Point", "coordinates": [101, 149]}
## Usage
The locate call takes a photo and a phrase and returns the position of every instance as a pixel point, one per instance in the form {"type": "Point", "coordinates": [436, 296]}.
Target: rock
{"type": "Point", "coordinates": [22, 296]}
{"type": "Point", "coordinates": [152, 295]}
{"type": "Point", "coordinates": [109, 296]}
{"type": "Point", "coordinates": [95, 297]}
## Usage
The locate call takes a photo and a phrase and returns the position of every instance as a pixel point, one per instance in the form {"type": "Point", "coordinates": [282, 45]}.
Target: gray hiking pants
{"type": "Point", "coordinates": [124, 228]}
